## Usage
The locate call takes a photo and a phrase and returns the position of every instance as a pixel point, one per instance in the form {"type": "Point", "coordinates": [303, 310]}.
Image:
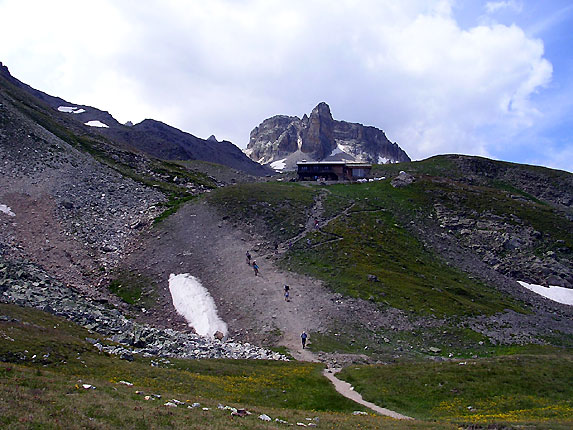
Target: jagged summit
{"type": "Point", "coordinates": [283, 140]}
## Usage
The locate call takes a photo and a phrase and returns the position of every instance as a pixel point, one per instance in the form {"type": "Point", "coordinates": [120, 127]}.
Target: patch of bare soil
{"type": "Point", "coordinates": [35, 233]}
{"type": "Point", "coordinates": [200, 241]}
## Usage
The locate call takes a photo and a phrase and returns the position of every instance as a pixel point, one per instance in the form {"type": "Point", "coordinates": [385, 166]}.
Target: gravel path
{"type": "Point", "coordinates": [198, 241]}
{"type": "Point", "coordinates": [347, 391]}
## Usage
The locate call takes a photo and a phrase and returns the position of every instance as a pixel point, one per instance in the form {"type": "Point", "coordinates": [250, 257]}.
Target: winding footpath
{"type": "Point", "coordinates": [294, 345]}
{"type": "Point", "coordinates": [347, 391]}
{"type": "Point", "coordinates": [198, 241]}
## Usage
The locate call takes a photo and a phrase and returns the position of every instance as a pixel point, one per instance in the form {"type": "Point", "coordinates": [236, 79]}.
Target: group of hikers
{"type": "Point", "coordinates": [253, 263]}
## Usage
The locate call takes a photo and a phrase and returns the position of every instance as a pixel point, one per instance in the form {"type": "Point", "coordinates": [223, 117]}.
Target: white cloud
{"type": "Point", "coordinates": [221, 67]}
{"type": "Point", "coordinates": [495, 6]}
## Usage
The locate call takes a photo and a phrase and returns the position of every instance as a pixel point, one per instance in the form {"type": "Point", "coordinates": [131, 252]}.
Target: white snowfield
{"type": "Point", "coordinates": [70, 109]}
{"type": "Point", "coordinates": [557, 294]}
{"type": "Point", "coordinates": [279, 164]}
{"type": "Point", "coordinates": [5, 209]}
{"type": "Point", "coordinates": [96, 123]}
{"type": "Point", "coordinates": [337, 150]}
{"type": "Point", "coordinates": [67, 109]}
{"type": "Point", "coordinates": [195, 304]}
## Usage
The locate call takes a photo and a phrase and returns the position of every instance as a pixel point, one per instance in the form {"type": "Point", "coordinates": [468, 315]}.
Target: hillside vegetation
{"type": "Point", "coordinates": [443, 250]}
{"type": "Point", "coordinates": [48, 367]}
{"type": "Point", "coordinates": [416, 278]}
{"type": "Point", "coordinates": [524, 388]}
{"type": "Point", "coordinates": [367, 229]}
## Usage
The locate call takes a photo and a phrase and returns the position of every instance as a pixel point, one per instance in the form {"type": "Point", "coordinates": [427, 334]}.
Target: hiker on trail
{"type": "Point", "coordinates": [256, 267]}
{"type": "Point", "coordinates": [316, 223]}
{"type": "Point", "coordinates": [303, 337]}
{"type": "Point", "coordinates": [248, 255]}
{"type": "Point", "coordinates": [286, 288]}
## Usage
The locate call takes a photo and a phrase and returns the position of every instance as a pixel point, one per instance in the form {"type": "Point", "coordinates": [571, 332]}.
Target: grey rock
{"type": "Point", "coordinates": [315, 137]}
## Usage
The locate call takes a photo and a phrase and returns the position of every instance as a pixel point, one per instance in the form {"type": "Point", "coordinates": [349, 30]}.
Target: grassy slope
{"type": "Point", "coordinates": [373, 241]}
{"type": "Point", "coordinates": [373, 238]}
{"type": "Point", "coordinates": [514, 389]}
{"type": "Point", "coordinates": [370, 239]}
{"type": "Point", "coordinates": [44, 360]}
{"type": "Point", "coordinates": [274, 208]}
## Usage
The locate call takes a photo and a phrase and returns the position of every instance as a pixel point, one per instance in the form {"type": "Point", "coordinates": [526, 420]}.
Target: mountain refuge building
{"type": "Point", "coordinates": [332, 170]}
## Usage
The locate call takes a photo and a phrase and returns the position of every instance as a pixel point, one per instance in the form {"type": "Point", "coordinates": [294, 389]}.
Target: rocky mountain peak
{"type": "Point", "coordinates": [288, 139]}
{"type": "Point", "coordinates": [322, 110]}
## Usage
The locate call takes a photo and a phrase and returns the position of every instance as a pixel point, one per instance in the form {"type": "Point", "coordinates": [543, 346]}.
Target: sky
{"type": "Point", "coordinates": [490, 78]}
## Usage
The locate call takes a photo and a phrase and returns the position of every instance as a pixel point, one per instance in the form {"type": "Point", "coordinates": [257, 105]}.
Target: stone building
{"type": "Point", "coordinates": [332, 170]}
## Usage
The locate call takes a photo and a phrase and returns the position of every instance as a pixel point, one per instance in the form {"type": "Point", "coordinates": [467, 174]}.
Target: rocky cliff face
{"type": "Point", "coordinates": [287, 139]}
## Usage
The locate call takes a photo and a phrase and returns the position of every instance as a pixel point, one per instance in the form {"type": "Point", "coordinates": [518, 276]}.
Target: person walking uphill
{"type": "Point", "coordinates": [256, 267]}
{"type": "Point", "coordinates": [248, 255]}
{"type": "Point", "coordinates": [303, 337]}
{"type": "Point", "coordinates": [286, 288]}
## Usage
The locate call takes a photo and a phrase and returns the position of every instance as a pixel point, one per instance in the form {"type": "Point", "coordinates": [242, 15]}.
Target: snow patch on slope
{"type": "Point", "coordinates": [96, 123]}
{"type": "Point", "coordinates": [5, 209]}
{"type": "Point", "coordinates": [67, 109]}
{"type": "Point", "coordinates": [70, 109]}
{"type": "Point", "coordinates": [557, 294]}
{"type": "Point", "coordinates": [195, 304]}
{"type": "Point", "coordinates": [279, 164]}
{"type": "Point", "coordinates": [337, 150]}
{"type": "Point", "coordinates": [383, 160]}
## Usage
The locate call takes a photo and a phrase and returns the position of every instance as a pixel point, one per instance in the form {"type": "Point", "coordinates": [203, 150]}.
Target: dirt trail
{"type": "Point", "coordinates": [197, 240]}
{"type": "Point", "coordinates": [347, 391]}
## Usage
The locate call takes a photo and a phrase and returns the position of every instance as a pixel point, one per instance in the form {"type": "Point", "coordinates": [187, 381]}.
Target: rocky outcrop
{"type": "Point", "coordinates": [509, 245]}
{"type": "Point", "coordinates": [26, 285]}
{"type": "Point", "coordinates": [319, 137]}
{"type": "Point", "coordinates": [554, 187]}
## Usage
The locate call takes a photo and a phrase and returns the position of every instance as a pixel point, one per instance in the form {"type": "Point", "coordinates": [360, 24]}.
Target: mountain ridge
{"type": "Point", "coordinates": [319, 137]}
{"type": "Point", "coordinates": [150, 136]}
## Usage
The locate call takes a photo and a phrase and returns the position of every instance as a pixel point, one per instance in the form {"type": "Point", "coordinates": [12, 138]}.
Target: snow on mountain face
{"type": "Point", "coordinates": [279, 164]}
{"type": "Point", "coordinates": [96, 123]}
{"type": "Point", "coordinates": [71, 109]}
{"type": "Point", "coordinates": [319, 137]}
{"type": "Point", "coordinates": [557, 294]}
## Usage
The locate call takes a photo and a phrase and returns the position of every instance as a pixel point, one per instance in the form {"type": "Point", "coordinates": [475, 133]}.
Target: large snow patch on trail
{"type": "Point", "coordinates": [195, 304]}
{"type": "Point", "coordinates": [557, 294]}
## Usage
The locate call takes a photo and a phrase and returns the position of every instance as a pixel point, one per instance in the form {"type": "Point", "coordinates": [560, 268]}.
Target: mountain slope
{"type": "Point", "coordinates": [150, 137]}
{"type": "Point", "coordinates": [438, 255]}
{"type": "Point", "coordinates": [163, 141]}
